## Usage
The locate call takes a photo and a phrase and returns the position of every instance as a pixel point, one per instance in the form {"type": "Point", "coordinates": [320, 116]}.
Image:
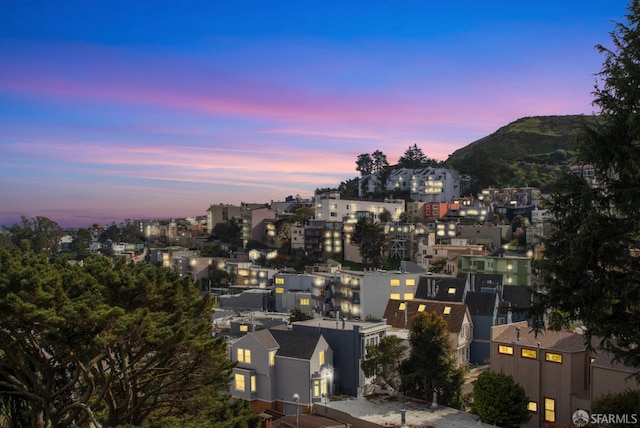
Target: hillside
{"type": "Point", "coordinates": [530, 151]}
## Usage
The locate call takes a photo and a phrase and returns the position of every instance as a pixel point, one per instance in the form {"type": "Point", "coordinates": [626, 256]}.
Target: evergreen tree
{"type": "Point", "coordinates": [431, 366]}
{"type": "Point", "coordinates": [380, 162]}
{"type": "Point", "coordinates": [414, 157]}
{"type": "Point", "coordinates": [591, 265]}
{"type": "Point", "coordinates": [372, 242]}
{"type": "Point", "coordinates": [364, 164]}
{"type": "Point", "coordinates": [500, 400]}
{"type": "Point", "coordinates": [383, 361]}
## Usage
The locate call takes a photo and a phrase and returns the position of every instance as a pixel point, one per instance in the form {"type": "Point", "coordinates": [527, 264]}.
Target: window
{"type": "Point", "coordinates": [239, 381]}
{"type": "Point", "coordinates": [532, 406]}
{"type": "Point", "coordinates": [394, 282]}
{"type": "Point", "coordinates": [507, 350]}
{"type": "Point", "coordinates": [451, 290]}
{"type": "Point", "coordinates": [408, 296]}
{"type": "Point", "coordinates": [529, 353]}
{"type": "Point", "coordinates": [279, 280]}
{"type": "Point", "coordinates": [549, 410]}
{"type": "Point", "coordinates": [553, 357]}
{"type": "Point", "coordinates": [394, 296]}
{"type": "Point", "coordinates": [253, 383]}
{"type": "Point", "coordinates": [410, 282]}
{"type": "Point", "coordinates": [447, 310]}
{"type": "Point", "coordinates": [304, 302]}
{"type": "Point", "coordinates": [279, 290]}
{"type": "Point", "coordinates": [321, 358]}
{"type": "Point", "coordinates": [244, 328]}
{"type": "Point", "coordinates": [244, 355]}
{"type": "Point", "coordinates": [402, 306]}
{"type": "Point", "coordinates": [319, 387]}
{"type": "Point", "coordinates": [421, 308]}
{"type": "Point", "coordinates": [272, 358]}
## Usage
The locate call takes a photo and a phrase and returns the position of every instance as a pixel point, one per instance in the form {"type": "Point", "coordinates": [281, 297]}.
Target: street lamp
{"type": "Point", "coordinates": [296, 398]}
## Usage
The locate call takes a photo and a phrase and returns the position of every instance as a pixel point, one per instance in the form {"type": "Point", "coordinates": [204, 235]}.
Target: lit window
{"type": "Point", "coordinates": [272, 358]}
{"type": "Point", "coordinates": [553, 357]}
{"type": "Point", "coordinates": [529, 353]}
{"type": "Point", "coordinates": [402, 306]}
{"type": "Point", "coordinates": [394, 296]}
{"type": "Point", "coordinates": [503, 349]}
{"type": "Point", "coordinates": [239, 378]}
{"type": "Point", "coordinates": [253, 383]}
{"type": "Point", "coordinates": [304, 302]}
{"type": "Point", "coordinates": [321, 358]}
{"type": "Point", "coordinates": [410, 282]}
{"type": "Point", "coordinates": [394, 282]}
{"type": "Point", "coordinates": [452, 290]}
{"type": "Point", "coordinates": [244, 355]}
{"type": "Point", "coordinates": [447, 310]}
{"type": "Point", "coordinates": [408, 296]}
{"type": "Point", "coordinates": [421, 308]}
{"type": "Point", "coordinates": [532, 406]}
{"type": "Point", "coordinates": [279, 290]}
{"type": "Point", "coordinates": [244, 328]}
{"type": "Point", "coordinates": [549, 410]}
{"type": "Point", "coordinates": [279, 280]}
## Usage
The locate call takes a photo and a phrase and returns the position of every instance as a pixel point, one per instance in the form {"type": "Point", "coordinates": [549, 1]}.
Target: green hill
{"type": "Point", "coordinates": [530, 151]}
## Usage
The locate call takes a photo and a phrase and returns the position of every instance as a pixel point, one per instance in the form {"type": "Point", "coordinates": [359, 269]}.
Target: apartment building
{"type": "Point", "coordinates": [330, 207]}
{"type": "Point", "coordinates": [221, 213]}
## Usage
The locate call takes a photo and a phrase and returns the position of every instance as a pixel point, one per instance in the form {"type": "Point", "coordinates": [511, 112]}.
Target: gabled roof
{"type": "Point", "coordinates": [486, 280]}
{"type": "Point", "coordinates": [481, 303]}
{"type": "Point", "coordinates": [265, 338]}
{"type": "Point", "coordinates": [295, 344]}
{"type": "Point", "coordinates": [402, 317]}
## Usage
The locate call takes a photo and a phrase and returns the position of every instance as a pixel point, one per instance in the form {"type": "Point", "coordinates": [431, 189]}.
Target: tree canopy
{"type": "Point", "coordinates": [414, 158]}
{"type": "Point", "coordinates": [107, 344]}
{"type": "Point", "coordinates": [591, 264]}
{"type": "Point", "coordinates": [372, 242]}
{"type": "Point", "coordinates": [383, 361]}
{"type": "Point", "coordinates": [431, 366]}
{"type": "Point", "coordinates": [500, 400]}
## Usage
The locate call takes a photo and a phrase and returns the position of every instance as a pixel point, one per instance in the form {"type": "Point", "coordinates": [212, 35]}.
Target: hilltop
{"type": "Point", "coordinates": [529, 151]}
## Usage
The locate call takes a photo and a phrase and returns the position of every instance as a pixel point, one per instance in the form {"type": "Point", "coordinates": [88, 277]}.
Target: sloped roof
{"type": "Point", "coordinates": [295, 344]}
{"type": "Point", "coordinates": [481, 303]}
{"type": "Point", "coordinates": [563, 341]}
{"type": "Point", "coordinates": [442, 285]}
{"type": "Point", "coordinates": [395, 316]}
{"type": "Point", "coordinates": [265, 338]}
{"type": "Point", "coordinates": [518, 295]}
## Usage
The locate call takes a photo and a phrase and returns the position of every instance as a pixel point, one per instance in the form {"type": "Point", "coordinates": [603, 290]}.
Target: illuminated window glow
{"type": "Point", "coordinates": [507, 350]}
{"type": "Point", "coordinates": [532, 406]}
{"type": "Point", "coordinates": [279, 280]}
{"type": "Point", "coordinates": [394, 296]}
{"type": "Point", "coordinates": [410, 282]}
{"type": "Point", "coordinates": [253, 383]}
{"type": "Point", "coordinates": [279, 290]}
{"type": "Point", "coordinates": [304, 302]}
{"type": "Point", "coordinates": [447, 310]}
{"type": "Point", "coordinates": [244, 328]}
{"type": "Point", "coordinates": [549, 410]}
{"type": "Point", "coordinates": [529, 353]}
{"type": "Point", "coordinates": [451, 291]}
{"type": "Point", "coordinates": [421, 308]}
{"type": "Point", "coordinates": [244, 355]}
{"type": "Point", "coordinates": [239, 381]}
{"type": "Point", "coordinates": [402, 306]}
{"type": "Point", "coordinates": [553, 357]}
{"type": "Point", "coordinates": [394, 282]}
{"type": "Point", "coordinates": [408, 296]}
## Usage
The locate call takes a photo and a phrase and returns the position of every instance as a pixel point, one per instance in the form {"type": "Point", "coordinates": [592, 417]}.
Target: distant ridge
{"type": "Point", "coordinates": [529, 151]}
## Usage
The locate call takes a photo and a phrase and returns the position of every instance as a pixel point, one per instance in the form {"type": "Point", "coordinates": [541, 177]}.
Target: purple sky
{"type": "Point", "coordinates": [156, 109]}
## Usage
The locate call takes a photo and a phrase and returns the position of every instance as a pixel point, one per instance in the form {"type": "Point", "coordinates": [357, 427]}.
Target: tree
{"type": "Point", "coordinates": [406, 217]}
{"type": "Point", "coordinates": [40, 235]}
{"type": "Point", "coordinates": [500, 400]}
{"type": "Point", "coordinates": [80, 243]}
{"type": "Point", "coordinates": [431, 367]}
{"type": "Point", "coordinates": [372, 242]}
{"type": "Point", "coordinates": [228, 231]}
{"type": "Point", "coordinates": [380, 162]}
{"type": "Point", "coordinates": [364, 164]}
{"type": "Point", "coordinates": [349, 189]}
{"type": "Point", "coordinates": [591, 268]}
{"type": "Point", "coordinates": [385, 216]}
{"type": "Point", "coordinates": [383, 361]}
{"type": "Point", "coordinates": [107, 344]}
{"type": "Point", "coordinates": [298, 315]}
{"type": "Point", "coordinates": [414, 157]}
{"type": "Point", "coordinates": [622, 403]}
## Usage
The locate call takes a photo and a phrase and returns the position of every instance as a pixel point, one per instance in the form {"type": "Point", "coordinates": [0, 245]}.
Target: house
{"type": "Point", "coordinates": [559, 374]}
{"type": "Point", "coordinates": [274, 364]}
{"type": "Point", "coordinates": [348, 339]}
{"type": "Point", "coordinates": [400, 316]}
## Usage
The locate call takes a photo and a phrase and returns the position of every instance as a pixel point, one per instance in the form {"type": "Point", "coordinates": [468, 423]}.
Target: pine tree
{"type": "Point", "coordinates": [591, 265]}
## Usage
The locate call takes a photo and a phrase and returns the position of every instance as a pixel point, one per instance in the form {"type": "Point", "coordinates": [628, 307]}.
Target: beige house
{"type": "Point", "coordinates": [556, 370]}
{"type": "Point", "coordinates": [400, 315]}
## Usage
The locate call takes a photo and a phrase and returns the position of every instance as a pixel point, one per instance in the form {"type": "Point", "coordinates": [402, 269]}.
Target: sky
{"type": "Point", "coordinates": [158, 109]}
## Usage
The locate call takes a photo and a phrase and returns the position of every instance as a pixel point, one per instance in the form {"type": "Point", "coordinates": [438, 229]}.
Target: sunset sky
{"type": "Point", "coordinates": [156, 109]}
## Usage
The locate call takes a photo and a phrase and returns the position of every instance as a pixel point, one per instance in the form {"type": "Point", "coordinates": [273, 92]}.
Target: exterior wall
{"type": "Point", "coordinates": [480, 347]}
{"type": "Point", "coordinates": [436, 210]}
{"type": "Point", "coordinates": [478, 234]}
{"type": "Point", "coordinates": [348, 341]}
{"type": "Point", "coordinates": [605, 381]}
{"type": "Point", "coordinates": [259, 366]}
{"type": "Point", "coordinates": [332, 208]}
{"type": "Point", "coordinates": [514, 270]}
{"type": "Point", "coordinates": [297, 237]}
{"type": "Point", "coordinates": [221, 213]}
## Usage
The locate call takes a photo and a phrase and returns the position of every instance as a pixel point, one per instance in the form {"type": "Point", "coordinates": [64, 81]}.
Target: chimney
{"type": "Point", "coordinates": [403, 418]}
{"type": "Point", "coordinates": [344, 323]}
{"type": "Point", "coordinates": [518, 334]}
